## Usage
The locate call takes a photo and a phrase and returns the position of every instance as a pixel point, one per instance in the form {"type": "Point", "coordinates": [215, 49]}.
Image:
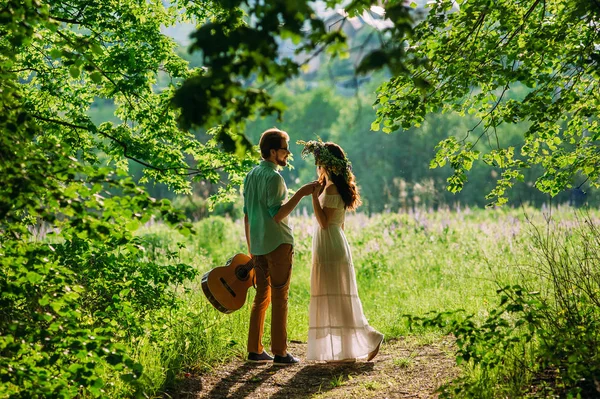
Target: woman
{"type": "Point", "coordinates": [338, 329]}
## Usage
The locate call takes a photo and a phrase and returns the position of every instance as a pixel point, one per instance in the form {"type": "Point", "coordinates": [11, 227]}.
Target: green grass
{"type": "Point", "coordinates": [404, 362]}
{"type": "Point", "coordinates": [337, 381]}
{"type": "Point", "coordinates": [372, 385]}
{"type": "Point", "coordinates": [405, 264]}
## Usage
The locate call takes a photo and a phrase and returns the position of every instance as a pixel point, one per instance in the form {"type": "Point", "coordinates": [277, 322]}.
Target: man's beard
{"type": "Point", "coordinates": [281, 162]}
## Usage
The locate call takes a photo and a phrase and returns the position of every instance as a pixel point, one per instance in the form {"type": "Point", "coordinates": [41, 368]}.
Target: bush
{"type": "Point", "coordinates": [570, 338]}
{"type": "Point", "coordinates": [196, 208]}
{"type": "Point", "coordinates": [71, 303]}
{"type": "Point", "coordinates": [543, 338]}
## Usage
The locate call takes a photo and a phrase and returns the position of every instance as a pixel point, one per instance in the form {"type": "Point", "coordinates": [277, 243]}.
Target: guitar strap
{"type": "Point", "coordinates": [254, 277]}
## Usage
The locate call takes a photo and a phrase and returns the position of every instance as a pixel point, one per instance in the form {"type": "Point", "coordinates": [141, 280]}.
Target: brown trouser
{"type": "Point", "coordinates": [273, 272]}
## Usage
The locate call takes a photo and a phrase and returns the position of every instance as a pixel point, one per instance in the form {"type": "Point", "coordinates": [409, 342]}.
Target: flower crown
{"type": "Point", "coordinates": [325, 158]}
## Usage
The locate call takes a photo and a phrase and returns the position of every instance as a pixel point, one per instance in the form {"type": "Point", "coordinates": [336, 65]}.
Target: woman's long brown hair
{"type": "Point", "coordinates": [346, 185]}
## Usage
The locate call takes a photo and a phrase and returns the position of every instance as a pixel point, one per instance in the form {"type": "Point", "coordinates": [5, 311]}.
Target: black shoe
{"type": "Point", "coordinates": [263, 357]}
{"type": "Point", "coordinates": [286, 360]}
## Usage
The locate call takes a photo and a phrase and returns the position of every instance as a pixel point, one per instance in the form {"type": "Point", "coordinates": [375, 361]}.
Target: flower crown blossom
{"type": "Point", "coordinates": [325, 158]}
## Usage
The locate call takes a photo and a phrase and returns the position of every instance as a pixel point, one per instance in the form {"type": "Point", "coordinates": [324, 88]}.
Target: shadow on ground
{"type": "Point", "coordinates": [403, 369]}
{"type": "Point", "coordinates": [318, 379]}
{"type": "Point", "coordinates": [250, 380]}
{"type": "Point", "coordinates": [230, 387]}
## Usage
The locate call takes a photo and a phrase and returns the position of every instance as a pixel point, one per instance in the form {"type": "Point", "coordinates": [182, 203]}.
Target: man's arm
{"type": "Point", "coordinates": [289, 206]}
{"type": "Point", "coordinates": [246, 223]}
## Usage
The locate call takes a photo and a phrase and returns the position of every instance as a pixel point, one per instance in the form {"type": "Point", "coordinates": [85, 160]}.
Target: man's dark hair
{"type": "Point", "coordinates": [271, 140]}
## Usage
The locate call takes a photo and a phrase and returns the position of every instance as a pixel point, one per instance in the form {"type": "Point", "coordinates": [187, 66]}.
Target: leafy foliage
{"type": "Point", "coordinates": [241, 59]}
{"type": "Point", "coordinates": [474, 53]}
{"type": "Point", "coordinates": [464, 57]}
{"type": "Point", "coordinates": [507, 332]}
{"type": "Point", "coordinates": [546, 337]}
{"type": "Point", "coordinates": [75, 282]}
{"type": "Point", "coordinates": [114, 50]}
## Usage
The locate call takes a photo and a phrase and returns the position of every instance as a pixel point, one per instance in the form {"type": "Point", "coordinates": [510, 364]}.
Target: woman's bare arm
{"type": "Point", "coordinates": [323, 215]}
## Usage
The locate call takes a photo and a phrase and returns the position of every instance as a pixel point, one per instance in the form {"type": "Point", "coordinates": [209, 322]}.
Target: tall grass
{"type": "Point", "coordinates": [410, 263]}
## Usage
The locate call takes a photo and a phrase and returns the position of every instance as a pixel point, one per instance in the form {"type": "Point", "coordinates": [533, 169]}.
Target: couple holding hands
{"type": "Point", "coordinates": [338, 329]}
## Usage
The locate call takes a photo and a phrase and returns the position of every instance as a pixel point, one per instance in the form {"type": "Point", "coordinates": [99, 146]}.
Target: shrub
{"type": "Point", "coordinates": [68, 302]}
{"type": "Point", "coordinates": [196, 208]}
{"type": "Point", "coordinates": [543, 336]}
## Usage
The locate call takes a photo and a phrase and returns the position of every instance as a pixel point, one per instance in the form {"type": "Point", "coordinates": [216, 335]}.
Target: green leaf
{"type": "Point", "coordinates": [97, 49]}
{"type": "Point", "coordinates": [34, 277]}
{"type": "Point", "coordinates": [96, 77]}
{"type": "Point", "coordinates": [57, 306]}
{"type": "Point", "coordinates": [74, 71]}
{"type": "Point", "coordinates": [43, 301]}
{"type": "Point", "coordinates": [55, 53]}
{"type": "Point", "coordinates": [129, 377]}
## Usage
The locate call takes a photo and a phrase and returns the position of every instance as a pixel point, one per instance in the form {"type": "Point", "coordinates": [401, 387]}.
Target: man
{"type": "Point", "coordinates": [270, 243]}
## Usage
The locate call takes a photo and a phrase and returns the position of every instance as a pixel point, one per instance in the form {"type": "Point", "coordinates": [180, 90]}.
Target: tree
{"type": "Point", "coordinates": [463, 56]}
{"type": "Point", "coordinates": [475, 54]}
{"type": "Point", "coordinates": [241, 60]}
{"type": "Point", "coordinates": [66, 296]}
{"type": "Point", "coordinates": [82, 52]}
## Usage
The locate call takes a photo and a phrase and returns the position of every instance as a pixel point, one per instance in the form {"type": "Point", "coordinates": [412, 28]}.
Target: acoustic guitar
{"type": "Point", "coordinates": [226, 286]}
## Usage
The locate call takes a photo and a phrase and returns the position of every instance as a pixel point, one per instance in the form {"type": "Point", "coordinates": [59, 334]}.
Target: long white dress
{"type": "Point", "coordinates": [338, 329]}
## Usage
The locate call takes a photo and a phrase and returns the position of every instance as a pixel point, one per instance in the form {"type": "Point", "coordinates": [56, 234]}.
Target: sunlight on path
{"type": "Point", "coordinates": [401, 370]}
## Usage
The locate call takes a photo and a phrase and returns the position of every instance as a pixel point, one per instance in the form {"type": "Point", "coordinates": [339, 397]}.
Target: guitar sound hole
{"type": "Point", "coordinates": [227, 287]}
{"type": "Point", "coordinates": [242, 273]}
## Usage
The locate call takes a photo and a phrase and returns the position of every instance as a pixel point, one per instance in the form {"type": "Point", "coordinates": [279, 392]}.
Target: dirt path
{"type": "Point", "coordinates": [403, 369]}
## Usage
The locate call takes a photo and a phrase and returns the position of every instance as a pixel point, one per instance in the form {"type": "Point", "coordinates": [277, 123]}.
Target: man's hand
{"type": "Point", "coordinates": [289, 206]}
{"type": "Point", "coordinates": [309, 188]}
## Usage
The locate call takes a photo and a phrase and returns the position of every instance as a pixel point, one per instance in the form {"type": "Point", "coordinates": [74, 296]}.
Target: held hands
{"type": "Point", "coordinates": [309, 188]}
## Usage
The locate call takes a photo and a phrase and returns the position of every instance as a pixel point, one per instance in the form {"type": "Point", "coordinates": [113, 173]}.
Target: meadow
{"type": "Point", "coordinates": [406, 263]}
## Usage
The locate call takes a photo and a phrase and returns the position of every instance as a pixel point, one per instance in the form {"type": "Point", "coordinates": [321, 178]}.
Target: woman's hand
{"type": "Point", "coordinates": [309, 188]}
{"type": "Point", "coordinates": [319, 189]}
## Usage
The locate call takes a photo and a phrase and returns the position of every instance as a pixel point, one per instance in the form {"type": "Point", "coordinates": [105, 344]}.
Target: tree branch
{"type": "Point", "coordinates": [93, 64]}
{"type": "Point", "coordinates": [74, 20]}
{"type": "Point", "coordinates": [66, 20]}
{"type": "Point", "coordinates": [23, 70]}
{"type": "Point", "coordinates": [93, 129]}
{"type": "Point", "coordinates": [520, 27]}
{"type": "Point", "coordinates": [506, 87]}
{"type": "Point", "coordinates": [475, 27]}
